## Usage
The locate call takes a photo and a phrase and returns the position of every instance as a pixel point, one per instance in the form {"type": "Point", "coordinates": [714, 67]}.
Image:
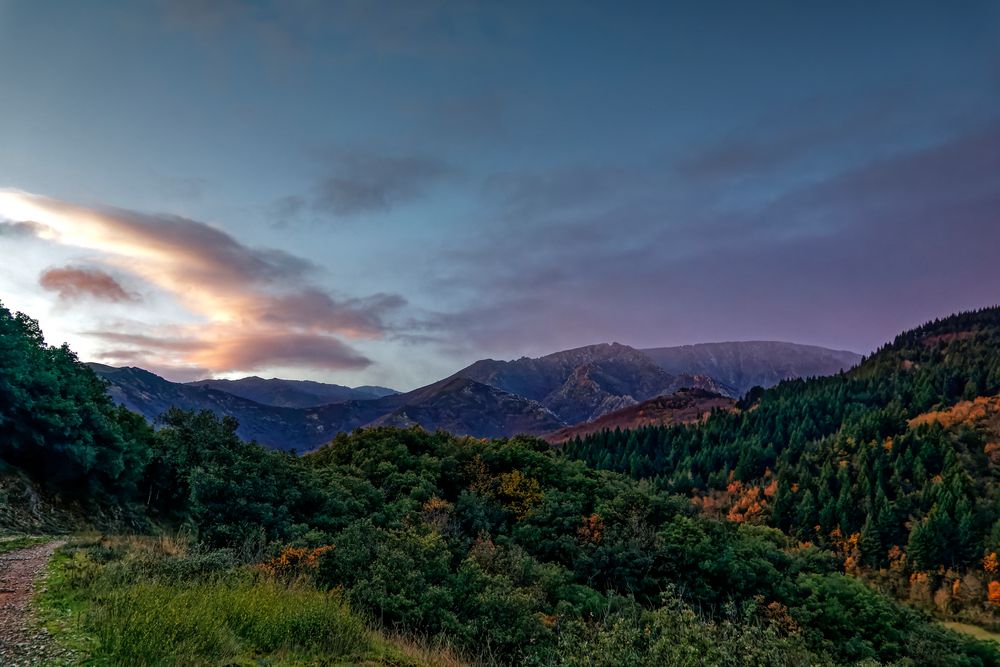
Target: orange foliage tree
{"type": "Point", "coordinates": [294, 561]}
{"type": "Point", "coordinates": [993, 593]}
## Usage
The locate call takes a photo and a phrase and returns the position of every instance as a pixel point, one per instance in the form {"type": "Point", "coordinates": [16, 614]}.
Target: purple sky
{"type": "Point", "coordinates": [382, 192]}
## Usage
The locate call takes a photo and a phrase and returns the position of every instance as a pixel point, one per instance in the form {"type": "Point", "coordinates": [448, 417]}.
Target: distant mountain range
{"type": "Point", "coordinates": [293, 393]}
{"type": "Point", "coordinates": [744, 365]}
{"type": "Point", "coordinates": [584, 383]}
{"type": "Point", "coordinates": [596, 385]}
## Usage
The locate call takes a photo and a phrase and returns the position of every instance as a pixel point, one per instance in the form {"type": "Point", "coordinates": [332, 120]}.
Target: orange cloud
{"type": "Point", "coordinates": [255, 307]}
{"type": "Point", "coordinates": [74, 283]}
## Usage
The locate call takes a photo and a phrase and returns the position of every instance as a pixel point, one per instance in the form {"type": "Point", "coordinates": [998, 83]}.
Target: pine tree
{"type": "Point", "coordinates": [870, 543]}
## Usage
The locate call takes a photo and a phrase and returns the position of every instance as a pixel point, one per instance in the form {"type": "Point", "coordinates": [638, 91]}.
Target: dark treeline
{"type": "Point", "coordinates": [512, 550]}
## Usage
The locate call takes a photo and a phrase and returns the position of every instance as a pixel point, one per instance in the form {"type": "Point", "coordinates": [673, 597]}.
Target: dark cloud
{"type": "Point", "coordinates": [313, 308]}
{"type": "Point", "coordinates": [19, 229]}
{"type": "Point", "coordinates": [845, 260]}
{"type": "Point", "coordinates": [363, 182]}
{"type": "Point", "coordinates": [74, 283]}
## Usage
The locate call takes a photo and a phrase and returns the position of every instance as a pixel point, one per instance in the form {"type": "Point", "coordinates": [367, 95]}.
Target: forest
{"type": "Point", "coordinates": [816, 524]}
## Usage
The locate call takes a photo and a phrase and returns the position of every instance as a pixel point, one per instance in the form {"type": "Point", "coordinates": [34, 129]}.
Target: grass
{"type": "Point", "coordinates": [10, 543]}
{"type": "Point", "coordinates": [972, 630]}
{"type": "Point", "coordinates": [154, 601]}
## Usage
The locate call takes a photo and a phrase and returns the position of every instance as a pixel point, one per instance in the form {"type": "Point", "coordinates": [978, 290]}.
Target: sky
{"type": "Point", "coordinates": [381, 192]}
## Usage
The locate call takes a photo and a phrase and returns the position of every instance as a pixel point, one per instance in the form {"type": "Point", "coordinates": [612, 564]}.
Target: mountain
{"type": "Point", "coordinates": [584, 383]}
{"type": "Point", "coordinates": [743, 365]}
{"type": "Point", "coordinates": [151, 396]}
{"type": "Point", "coordinates": [487, 399]}
{"type": "Point", "coordinates": [686, 406]}
{"type": "Point", "coordinates": [461, 406]}
{"type": "Point", "coordinates": [464, 406]}
{"type": "Point", "coordinates": [293, 393]}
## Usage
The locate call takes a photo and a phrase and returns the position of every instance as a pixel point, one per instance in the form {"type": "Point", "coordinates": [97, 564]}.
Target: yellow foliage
{"type": "Point", "coordinates": [519, 493]}
{"type": "Point", "coordinates": [478, 475]}
{"type": "Point", "coordinates": [991, 563]}
{"type": "Point", "coordinates": [436, 513]}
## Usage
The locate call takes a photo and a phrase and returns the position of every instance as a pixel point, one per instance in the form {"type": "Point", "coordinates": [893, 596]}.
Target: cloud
{"type": "Point", "coordinates": [363, 182]}
{"type": "Point", "coordinates": [25, 229]}
{"type": "Point", "coordinates": [845, 257]}
{"type": "Point", "coordinates": [73, 283]}
{"type": "Point", "coordinates": [249, 307]}
{"type": "Point", "coordinates": [228, 349]}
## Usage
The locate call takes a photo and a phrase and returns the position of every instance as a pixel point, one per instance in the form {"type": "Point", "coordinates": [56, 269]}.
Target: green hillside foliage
{"type": "Point", "coordinates": [872, 455]}
{"type": "Point", "coordinates": [58, 424]}
{"type": "Point", "coordinates": [516, 553]}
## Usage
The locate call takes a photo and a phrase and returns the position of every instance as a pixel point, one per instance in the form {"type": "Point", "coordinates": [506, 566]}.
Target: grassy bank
{"type": "Point", "coordinates": [10, 543]}
{"type": "Point", "coordinates": [149, 601]}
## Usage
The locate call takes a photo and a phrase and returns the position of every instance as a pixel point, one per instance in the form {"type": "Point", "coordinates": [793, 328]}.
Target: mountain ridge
{"type": "Point", "coordinates": [293, 393]}
{"type": "Point", "coordinates": [535, 396]}
{"type": "Point", "coordinates": [743, 365]}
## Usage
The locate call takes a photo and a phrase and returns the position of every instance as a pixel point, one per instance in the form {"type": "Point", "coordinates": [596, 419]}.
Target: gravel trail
{"type": "Point", "coordinates": [22, 642]}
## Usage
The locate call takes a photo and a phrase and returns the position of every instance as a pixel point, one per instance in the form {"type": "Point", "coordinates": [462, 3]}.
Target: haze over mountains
{"type": "Point", "coordinates": [489, 398]}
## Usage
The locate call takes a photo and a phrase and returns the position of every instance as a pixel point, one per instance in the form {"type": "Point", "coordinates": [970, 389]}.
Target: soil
{"type": "Point", "coordinates": [23, 641]}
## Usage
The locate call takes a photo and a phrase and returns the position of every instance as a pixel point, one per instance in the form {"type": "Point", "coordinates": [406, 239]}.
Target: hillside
{"type": "Point", "coordinates": [513, 553]}
{"type": "Point", "coordinates": [685, 406]}
{"type": "Point", "coordinates": [893, 465]}
{"type": "Point", "coordinates": [584, 383]}
{"type": "Point", "coordinates": [461, 407]}
{"type": "Point", "coordinates": [744, 365]}
{"type": "Point", "coordinates": [293, 393]}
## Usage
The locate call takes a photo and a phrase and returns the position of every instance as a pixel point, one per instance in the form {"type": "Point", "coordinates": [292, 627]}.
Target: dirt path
{"type": "Point", "coordinates": [22, 642]}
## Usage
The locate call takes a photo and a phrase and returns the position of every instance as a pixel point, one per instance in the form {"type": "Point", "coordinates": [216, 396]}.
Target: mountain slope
{"type": "Point", "coordinates": [743, 365]}
{"type": "Point", "coordinates": [584, 383]}
{"type": "Point", "coordinates": [895, 464]}
{"type": "Point", "coordinates": [463, 407]}
{"type": "Point", "coordinates": [293, 393]}
{"type": "Point", "coordinates": [685, 406]}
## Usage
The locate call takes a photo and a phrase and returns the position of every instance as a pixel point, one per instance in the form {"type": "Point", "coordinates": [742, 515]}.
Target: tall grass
{"type": "Point", "coordinates": [142, 601]}
{"type": "Point", "coordinates": [213, 622]}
